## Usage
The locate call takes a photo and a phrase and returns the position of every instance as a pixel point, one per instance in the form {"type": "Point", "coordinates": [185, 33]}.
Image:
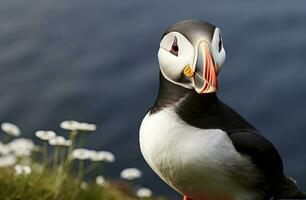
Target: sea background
{"type": "Point", "coordinates": [96, 61]}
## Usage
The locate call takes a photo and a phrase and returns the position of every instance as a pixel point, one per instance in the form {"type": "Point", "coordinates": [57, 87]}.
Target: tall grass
{"type": "Point", "coordinates": [45, 171]}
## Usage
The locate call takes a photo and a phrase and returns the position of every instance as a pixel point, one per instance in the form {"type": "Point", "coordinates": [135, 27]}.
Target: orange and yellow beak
{"type": "Point", "coordinates": [204, 73]}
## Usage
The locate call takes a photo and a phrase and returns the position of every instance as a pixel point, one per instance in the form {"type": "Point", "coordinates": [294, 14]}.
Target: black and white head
{"type": "Point", "coordinates": [191, 54]}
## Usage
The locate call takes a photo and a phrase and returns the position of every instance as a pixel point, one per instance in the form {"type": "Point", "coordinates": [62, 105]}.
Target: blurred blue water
{"type": "Point", "coordinates": [96, 61]}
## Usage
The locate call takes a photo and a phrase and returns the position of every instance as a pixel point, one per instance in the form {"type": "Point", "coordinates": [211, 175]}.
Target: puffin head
{"type": "Point", "coordinates": [191, 54]}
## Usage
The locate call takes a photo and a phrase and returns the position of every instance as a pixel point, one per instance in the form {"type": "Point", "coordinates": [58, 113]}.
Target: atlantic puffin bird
{"type": "Point", "coordinates": [197, 144]}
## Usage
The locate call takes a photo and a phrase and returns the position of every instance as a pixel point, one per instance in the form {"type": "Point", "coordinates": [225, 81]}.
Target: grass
{"type": "Point", "coordinates": [55, 185]}
{"type": "Point", "coordinates": [50, 186]}
{"type": "Point", "coordinates": [49, 174]}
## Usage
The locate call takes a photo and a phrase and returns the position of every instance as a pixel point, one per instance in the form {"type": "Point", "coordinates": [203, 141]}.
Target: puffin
{"type": "Point", "coordinates": [193, 141]}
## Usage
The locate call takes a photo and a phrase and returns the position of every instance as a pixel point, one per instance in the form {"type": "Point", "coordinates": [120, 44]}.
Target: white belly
{"type": "Point", "coordinates": [193, 161]}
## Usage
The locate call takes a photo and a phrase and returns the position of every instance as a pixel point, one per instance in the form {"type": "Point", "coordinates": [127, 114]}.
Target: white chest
{"type": "Point", "coordinates": [189, 159]}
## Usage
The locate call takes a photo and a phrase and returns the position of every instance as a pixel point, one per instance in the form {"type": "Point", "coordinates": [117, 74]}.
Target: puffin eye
{"type": "Point", "coordinates": [174, 48]}
{"type": "Point", "coordinates": [220, 43]}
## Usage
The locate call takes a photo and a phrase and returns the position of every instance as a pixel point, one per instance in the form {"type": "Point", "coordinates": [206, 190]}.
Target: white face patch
{"type": "Point", "coordinates": [174, 54]}
{"type": "Point", "coordinates": [217, 49]}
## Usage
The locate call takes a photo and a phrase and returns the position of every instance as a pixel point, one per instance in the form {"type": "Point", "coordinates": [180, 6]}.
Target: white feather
{"type": "Point", "coordinates": [172, 66]}
{"type": "Point", "coordinates": [193, 161]}
{"type": "Point", "coordinates": [219, 56]}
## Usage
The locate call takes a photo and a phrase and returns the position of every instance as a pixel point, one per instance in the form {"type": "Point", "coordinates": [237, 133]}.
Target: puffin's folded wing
{"type": "Point", "coordinates": [261, 152]}
{"type": "Point", "coordinates": [264, 155]}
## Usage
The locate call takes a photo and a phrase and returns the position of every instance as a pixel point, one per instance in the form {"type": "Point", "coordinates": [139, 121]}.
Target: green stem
{"type": "Point", "coordinates": [82, 140]}
{"type": "Point", "coordinates": [55, 156]}
{"type": "Point", "coordinates": [60, 150]}
{"type": "Point", "coordinates": [62, 156]}
{"type": "Point", "coordinates": [45, 149]}
{"type": "Point", "coordinates": [73, 135]}
{"type": "Point", "coordinates": [72, 138]}
{"type": "Point", "coordinates": [81, 169]}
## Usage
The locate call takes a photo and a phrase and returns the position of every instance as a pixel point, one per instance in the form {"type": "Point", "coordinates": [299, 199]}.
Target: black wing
{"type": "Point", "coordinates": [261, 152]}
{"type": "Point", "coordinates": [264, 155]}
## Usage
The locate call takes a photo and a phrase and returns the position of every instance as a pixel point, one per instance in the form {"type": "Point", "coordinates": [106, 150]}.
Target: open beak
{"type": "Point", "coordinates": [205, 71]}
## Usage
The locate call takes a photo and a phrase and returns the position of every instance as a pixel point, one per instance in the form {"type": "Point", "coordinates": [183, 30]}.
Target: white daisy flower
{"type": "Point", "coordinates": [102, 156]}
{"type": "Point", "coordinates": [94, 156]}
{"type": "Point", "coordinates": [130, 173]}
{"type": "Point", "coordinates": [22, 169]}
{"type": "Point", "coordinates": [22, 152]}
{"type": "Point", "coordinates": [100, 180]}
{"type": "Point", "coordinates": [87, 127]}
{"type": "Point", "coordinates": [18, 169]}
{"type": "Point", "coordinates": [10, 129]}
{"type": "Point", "coordinates": [21, 147]}
{"type": "Point", "coordinates": [81, 154]}
{"type": "Point", "coordinates": [70, 125]}
{"type": "Point", "coordinates": [144, 193]}
{"type": "Point", "coordinates": [7, 160]}
{"type": "Point", "coordinates": [27, 169]}
{"type": "Point", "coordinates": [57, 141]}
{"type": "Point", "coordinates": [45, 135]}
